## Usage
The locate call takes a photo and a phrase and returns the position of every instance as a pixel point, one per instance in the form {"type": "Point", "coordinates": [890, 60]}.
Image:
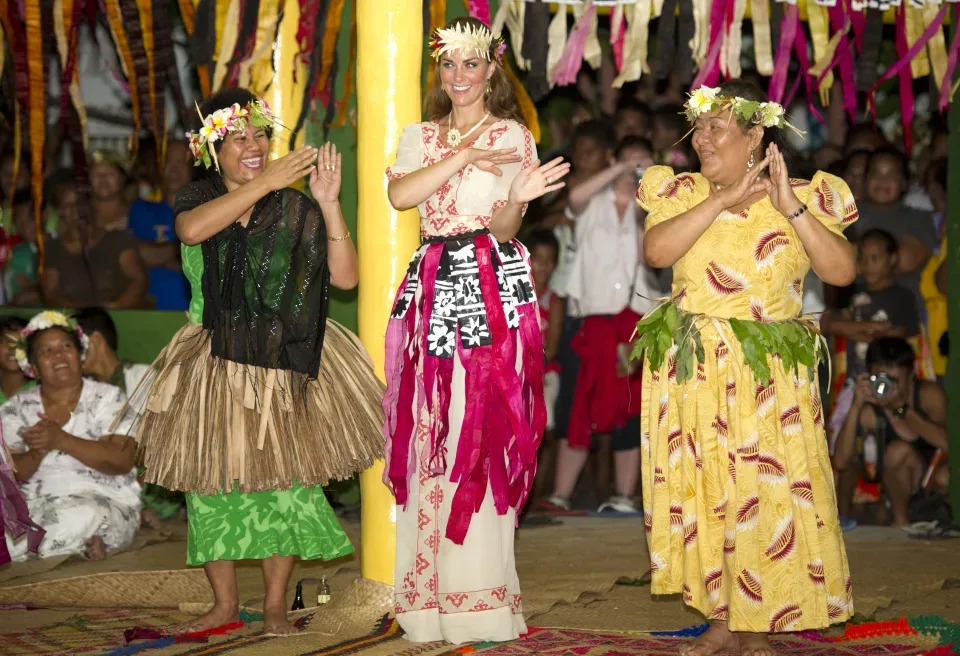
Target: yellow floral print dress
{"type": "Point", "coordinates": [738, 496]}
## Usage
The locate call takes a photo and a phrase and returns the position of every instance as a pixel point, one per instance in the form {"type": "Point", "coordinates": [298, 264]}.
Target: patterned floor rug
{"type": "Point", "coordinates": [927, 636]}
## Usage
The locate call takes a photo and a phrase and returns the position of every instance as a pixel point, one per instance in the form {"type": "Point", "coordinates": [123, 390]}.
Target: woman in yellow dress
{"type": "Point", "coordinates": [739, 504]}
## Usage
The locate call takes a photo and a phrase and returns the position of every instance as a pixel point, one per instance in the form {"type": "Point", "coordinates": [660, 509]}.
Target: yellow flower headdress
{"type": "Point", "coordinates": [466, 38]}
{"type": "Point", "coordinates": [752, 112]}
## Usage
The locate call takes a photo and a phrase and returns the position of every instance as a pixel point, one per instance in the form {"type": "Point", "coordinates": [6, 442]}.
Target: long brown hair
{"type": "Point", "coordinates": [500, 101]}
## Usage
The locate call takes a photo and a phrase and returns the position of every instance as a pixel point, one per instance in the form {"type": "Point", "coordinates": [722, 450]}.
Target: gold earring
{"type": "Point", "coordinates": [489, 88]}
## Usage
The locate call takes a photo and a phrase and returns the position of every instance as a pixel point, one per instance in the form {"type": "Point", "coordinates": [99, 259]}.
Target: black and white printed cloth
{"type": "Point", "coordinates": [458, 306]}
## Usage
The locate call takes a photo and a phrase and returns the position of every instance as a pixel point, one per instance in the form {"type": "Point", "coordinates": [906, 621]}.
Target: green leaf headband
{"type": "Point", "coordinates": [222, 122]}
{"type": "Point", "coordinates": [752, 112]}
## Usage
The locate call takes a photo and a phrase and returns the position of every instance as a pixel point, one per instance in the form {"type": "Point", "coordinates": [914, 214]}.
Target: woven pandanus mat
{"type": "Point", "coordinates": [160, 589]}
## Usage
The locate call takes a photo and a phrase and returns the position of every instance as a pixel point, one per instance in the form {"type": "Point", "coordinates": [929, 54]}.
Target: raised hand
{"type": "Point", "coordinates": [283, 172]}
{"type": "Point", "coordinates": [326, 176]}
{"type": "Point", "coordinates": [745, 187]}
{"type": "Point", "coordinates": [537, 180]}
{"type": "Point", "coordinates": [491, 160]}
{"type": "Point", "coordinates": [778, 184]}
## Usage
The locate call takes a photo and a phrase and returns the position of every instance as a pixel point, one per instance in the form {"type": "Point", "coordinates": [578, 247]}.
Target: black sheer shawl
{"type": "Point", "coordinates": [266, 286]}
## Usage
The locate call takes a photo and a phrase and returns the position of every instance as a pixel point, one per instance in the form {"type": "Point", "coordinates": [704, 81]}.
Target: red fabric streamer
{"type": "Point", "coordinates": [479, 9]}
{"type": "Point", "coordinates": [616, 42]}
{"type": "Point", "coordinates": [709, 73]}
{"type": "Point", "coordinates": [947, 83]}
{"type": "Point", "coordinates": [800, 47]}
{"type": "Point", "coordinates": [906, 81]}
{"type": "Point", "coordinates": [906, 56]}
{"type": "Point", "coordinates": [843, 59]}
{"type": "Point", "coordinates": [788, 35]}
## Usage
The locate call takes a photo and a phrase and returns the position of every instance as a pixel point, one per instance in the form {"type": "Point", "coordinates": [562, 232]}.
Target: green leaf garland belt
{"type": "Point", "coordinates": [796, 341]}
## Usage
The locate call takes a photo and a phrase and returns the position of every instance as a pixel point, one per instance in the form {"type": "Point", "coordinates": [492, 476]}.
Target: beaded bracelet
{"type": "Point", "coordinates": [342, 238]}
{"type": "Point", "coordinates": [803, 208]}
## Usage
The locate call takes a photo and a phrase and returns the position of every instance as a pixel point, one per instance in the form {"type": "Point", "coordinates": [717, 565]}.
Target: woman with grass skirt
{"type": "Point", "coordinates": [260, 399]}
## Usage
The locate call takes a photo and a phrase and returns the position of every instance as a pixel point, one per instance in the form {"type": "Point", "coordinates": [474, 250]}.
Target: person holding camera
{"type": "Point", "coordinates": [904, 418]}
{"type": "Point", "coordinates": [602, 282]}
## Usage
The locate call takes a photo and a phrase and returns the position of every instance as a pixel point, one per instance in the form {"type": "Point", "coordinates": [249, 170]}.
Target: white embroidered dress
{"type": "Point", "coordinates": [70, 500]}
{"type": "Point", "coordinates": [444, 590]}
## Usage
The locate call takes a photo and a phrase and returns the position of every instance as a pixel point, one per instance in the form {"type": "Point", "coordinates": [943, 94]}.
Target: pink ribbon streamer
{"type": "Point", "coordinates": [906, 56]}
{"type": "Point", "coordinates": [479, 9]}
{"type": "Point", "coordinates": [565, 71]}
{"type": "Point", "coordinates": [858, 21]}
{"type": "Point", "coordinates": [709, 73]}
{"type": "Point", "coordinates": [800, 46]}
{"type": "Point", "coordinates": [947, 83]}
{"type": "Point", "coordinates": [788, 35]}
{"type": "Point", "coordinates": [616, 42]}
{"type": "Point", "coordinates": [843, 59]}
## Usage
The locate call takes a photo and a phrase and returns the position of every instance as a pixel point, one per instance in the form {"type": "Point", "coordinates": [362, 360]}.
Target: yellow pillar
{"type": "Point", "coordinates": [389, 47]}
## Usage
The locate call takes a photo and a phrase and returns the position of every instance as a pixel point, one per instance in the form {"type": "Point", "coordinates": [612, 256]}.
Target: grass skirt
{"type": "Point", "coordinates": [205, 422]}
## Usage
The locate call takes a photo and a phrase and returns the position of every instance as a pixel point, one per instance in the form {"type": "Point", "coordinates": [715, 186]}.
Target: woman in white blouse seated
{"type": "Point", "coordinates": [78, 480]}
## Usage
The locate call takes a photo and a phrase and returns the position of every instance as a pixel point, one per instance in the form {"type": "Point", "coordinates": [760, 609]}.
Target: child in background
{"type": "Point", "coordinates": [606, 403]}
{"type": "Point", "coordinates": [544, 254]}
{"type": "Point", "coordinates": [880, 307]}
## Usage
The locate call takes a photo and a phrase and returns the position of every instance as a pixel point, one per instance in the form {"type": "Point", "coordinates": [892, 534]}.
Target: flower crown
{"type": "Point", "coordinates": [466, 38]}
{"type": "Point", "coordinates": [222, 122]}
{"type": "Point", "coordinates": [752, 112]}
{"type": "Point", "coordinates": [43, 321]}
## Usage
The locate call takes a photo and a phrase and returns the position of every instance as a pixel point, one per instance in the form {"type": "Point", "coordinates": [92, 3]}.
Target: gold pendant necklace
{"type": "Point", "coordinates": [454, 138]}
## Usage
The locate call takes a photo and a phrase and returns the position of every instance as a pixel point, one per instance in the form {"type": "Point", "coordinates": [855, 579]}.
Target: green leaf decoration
{"type": "Point", "coordinates": [795, 342]}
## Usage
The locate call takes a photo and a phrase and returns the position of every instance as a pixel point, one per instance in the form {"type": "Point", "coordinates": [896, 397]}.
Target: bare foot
{"type": "Point", "coordinates": [148, 518]}
{"type": "Point", "coordinates": [717, 640]}
{"type": "Point", "coordinates": [96, 549]}
{"type": "Point", "coordinates": [755, 644]}
{"type": "Point", "coordinates": [218, 616]}
{"type": "Point", "coordinates": [275, 621]}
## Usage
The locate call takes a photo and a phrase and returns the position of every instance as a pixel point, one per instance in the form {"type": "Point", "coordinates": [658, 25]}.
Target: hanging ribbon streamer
{"type": "Point", "coordinates": [702, 9]}
{"type": "Point", "coordinates": [479, 9]}
{"type": "Point", "coordinates": [822, 69]}
{"type": "Point", "coordinates": [820, 37]}
{"type": "Point", "coordinates": [709, 73]}
{"type": "Point", "coordinates": [946, 85]}
{"type": "Point", "coordinates": [115, 20]}
{"type": "Point", "coordinates": [618, 33]}
{"type": "Point", "coordinates": [733, 44]}
{"type": "Point", "coordinates": [18, 49]}
{"type": "Point", "coordinates": [919, 65]}
{"type": "Point", "coordinates": [592, 53]}
{"type": "Point", "coordinates": [536, 25]}
{"type": "Point", "coordinates": [155, 78]}
{"type": "Point", "coordinates": [788, 33]}
{"type": "Point", "coordinates": [36, 117]}
{"type": "Point", "coordinates": [343, 105]}
{"type": "Point", "coordinates": [187, 14]}
{"type": "Point", "coordinates": [906, 79]}
{"type": "Point", "coordinates": [167, 60]}
{"type": "Point", "coordinates": [565, 72]}
{"type": "Point", "coordinates": [844, 63]}
{"type": "Point", "coordinates": [901, 63]}
{"type": "Point", "coordinates": [635, 43]}
{"type": "Point", "coordinates": [513, 19]}
{"type": "Point", "coordinates": [557, 42]}
{"type": "Point", "coordinates": [666, 39]}
{"type": "Point", "coordinates": [267, 25]}
{"type": "Point", "coordinates": [438, 17]}
{"type": "Point", "coordinates": [800, 47]}
{"type": "Point", "coordinates": [330, 35]}
{"type": "Point", "coordinates": [227, 43]}
{"type": "Point", "coordinates": [762, 45]}
{"type": "Point", "coordinates": [936, 46]}
{"type": "Point", "coordinates": [686, 28]}
{"type": "Point", "coordinates": [203, 41]}
{"type": "Point", "coordinates": [870, 53]}
{"type": "Point", "coordinates": [246, 39]}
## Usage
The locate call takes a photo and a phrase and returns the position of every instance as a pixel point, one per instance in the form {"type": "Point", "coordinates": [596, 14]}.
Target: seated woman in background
{"type": "Point", "coordinates": [12, 379]}
{"type": "Point", "coordinates": [79, 482]}
{"type": "Point", "coordinates": [90, 264]}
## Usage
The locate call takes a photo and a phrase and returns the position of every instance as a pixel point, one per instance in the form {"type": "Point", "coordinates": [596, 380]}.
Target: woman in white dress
{"type": "Point", "coordinates": [465, 325]}
{"type": "Point", "coordinates": [78, 480]}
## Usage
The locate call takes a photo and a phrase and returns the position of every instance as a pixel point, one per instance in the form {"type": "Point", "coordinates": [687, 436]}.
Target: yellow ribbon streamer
{"type": "Point", "coordinates": [701, 30]}
{"type": "Point", "coordinates": [438, 18]}
{"type": "Point", "coordinates": [762, 41]}
{"type": "Point", "coordinates": [556, 41]}
{"type": "Point", "coordinates": [915, 25]}
{"type": "Point", "coordinates": [635, 43]}
{"type": "Point", "coordinates": [36, 117]}
{"type": "Point", "coordinates": [267, 17]}
{"type": "Point", "coordinates": [157, 109]}
{"type": "Point", "coordinates": [228, 41]}
{"type": "Point", "coordinates": [591, 47]}
{"type": "Point", "coordinates": [936, 46]}
{"type": "Point", "coordinates": [730, 50]}
{"type": "Point", "coordinates": [62, 26]}
{"type": "Point", "coordinates": [514, 22]}
{"type": "Point", "coordinates": [819, 34]}
{"type": "Point", "coordinates": [344, 104]}
{"type": "Point", "coordinates": [330, 34]}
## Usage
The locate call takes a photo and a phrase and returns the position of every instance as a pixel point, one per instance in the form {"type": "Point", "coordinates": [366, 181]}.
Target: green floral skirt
{"type": "Point", "coordinates": [257, 525]}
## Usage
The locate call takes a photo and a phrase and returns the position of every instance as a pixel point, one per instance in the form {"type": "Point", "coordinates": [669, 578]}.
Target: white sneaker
{"type": "Point", "coordinates": [618, 505]}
